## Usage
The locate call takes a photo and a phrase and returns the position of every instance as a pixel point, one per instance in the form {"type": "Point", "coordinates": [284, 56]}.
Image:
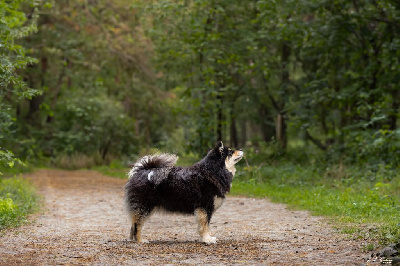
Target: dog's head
{"type": "Point", "coordinates": [228, 155]}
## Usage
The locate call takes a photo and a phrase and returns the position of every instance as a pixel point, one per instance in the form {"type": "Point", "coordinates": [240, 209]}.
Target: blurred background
{"type": "Point", "coordinates": [310, 89]}
{"type": "Point", "coordinates": [102, 80]}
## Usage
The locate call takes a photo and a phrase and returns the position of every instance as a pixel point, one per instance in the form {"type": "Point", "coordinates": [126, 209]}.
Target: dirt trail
{"type": "Point", "coordinates": [85, 223]}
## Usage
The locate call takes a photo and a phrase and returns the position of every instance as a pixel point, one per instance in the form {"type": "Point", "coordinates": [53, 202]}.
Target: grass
{"type": "Point", "coordinates": [363, 203]}
{"type": "Point", "coordinates": [114, 169]}
{"type": "Point", "coordinates": [18, 199]}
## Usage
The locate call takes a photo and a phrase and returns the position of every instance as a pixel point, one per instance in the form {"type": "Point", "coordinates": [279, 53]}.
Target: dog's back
{"type": "Point", "coordinates": [155, 182]}
{"type": "Point", "coordinates": [146, 174]}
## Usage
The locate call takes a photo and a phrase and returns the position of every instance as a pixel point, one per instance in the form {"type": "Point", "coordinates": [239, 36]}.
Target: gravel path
{"type": "Point", "coordinates": [84, 223]}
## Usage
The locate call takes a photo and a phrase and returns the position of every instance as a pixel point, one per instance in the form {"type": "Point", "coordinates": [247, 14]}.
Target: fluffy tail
{"type": "Point", "coordinates": [153, 161]}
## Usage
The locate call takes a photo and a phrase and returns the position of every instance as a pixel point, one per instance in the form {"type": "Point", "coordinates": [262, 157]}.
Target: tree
{"type": "Point", "coordinates": [14, 25]}
{"type": "Point", "coordinates": [350, 89]}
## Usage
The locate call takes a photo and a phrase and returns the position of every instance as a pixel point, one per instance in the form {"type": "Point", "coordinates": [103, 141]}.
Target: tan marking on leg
{"type": "Point", "coordinates": [132, 232]}
{"type": "Point", "coordinates": [139, 231]}
{"type": "Point", "coordinates": [203, 226]}
{"type": "Point", "coordinates": [136, 229]}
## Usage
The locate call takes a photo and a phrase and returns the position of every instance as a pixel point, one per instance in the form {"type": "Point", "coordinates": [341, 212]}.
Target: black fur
{"type": "Point", "coordinates": [177, 189]}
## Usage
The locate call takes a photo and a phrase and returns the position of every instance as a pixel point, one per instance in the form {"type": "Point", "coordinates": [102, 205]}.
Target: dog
{"type": "Point", "coordinates": [155, 183]}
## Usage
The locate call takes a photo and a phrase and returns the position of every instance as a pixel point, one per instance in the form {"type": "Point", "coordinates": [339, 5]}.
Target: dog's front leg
{"type": "Point", "coordinates": [203, 220]}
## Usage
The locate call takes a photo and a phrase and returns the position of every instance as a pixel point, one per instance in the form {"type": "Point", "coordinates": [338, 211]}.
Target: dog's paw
{"type": "Point", "coordinates": [209, 239]}
{"type": "Point", "coordinates": [144, 241]}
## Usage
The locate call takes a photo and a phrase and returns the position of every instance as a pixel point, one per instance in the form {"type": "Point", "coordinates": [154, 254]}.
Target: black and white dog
{"type": "Point", "coordinates": [155, 183]}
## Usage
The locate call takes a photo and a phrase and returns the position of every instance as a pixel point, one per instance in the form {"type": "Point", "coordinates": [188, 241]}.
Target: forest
{"type": "Point", "coordinates": [309, 89]}
{"type": "Point", "coordinates": [112, 80]}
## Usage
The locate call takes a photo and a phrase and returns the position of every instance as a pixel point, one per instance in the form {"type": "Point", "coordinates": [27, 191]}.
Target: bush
{"type": "Point", "coordinates": [17, 200]}
{"type": "Point", "coordinates": [77, 161]}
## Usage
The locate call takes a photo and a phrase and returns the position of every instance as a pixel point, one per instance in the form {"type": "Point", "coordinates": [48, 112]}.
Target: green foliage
{"type": "Point", "coordinates": [98, 87]}
{"type": "Point", "coordinates": [91, 123]}
{"type": "Point", "coordinates": [114, 169]}
{"type": "Point", "coordinates": [327, 70]}
{"type": "Point", "coordinates": [13, 26]}
{"type": "Point", "coordinates": [374, 146]}
{"type": "Point", "coordinates": [17, 200]}
{"type": "Point", "coordinates": [179, 75]}
{"type": "Point", "coordinates": [13, 55]}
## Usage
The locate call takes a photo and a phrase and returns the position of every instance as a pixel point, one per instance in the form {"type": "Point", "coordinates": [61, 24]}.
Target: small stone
{"type": "Point", "coordinates": [388, 252]}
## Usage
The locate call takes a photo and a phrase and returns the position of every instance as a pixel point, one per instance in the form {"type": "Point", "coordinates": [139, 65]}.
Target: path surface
{"type": "Point", "coordinates": [84, 223]}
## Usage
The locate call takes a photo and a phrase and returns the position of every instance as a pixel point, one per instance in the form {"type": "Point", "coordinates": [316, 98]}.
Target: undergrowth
{"type": "Point", "coordinates": [18, 199]}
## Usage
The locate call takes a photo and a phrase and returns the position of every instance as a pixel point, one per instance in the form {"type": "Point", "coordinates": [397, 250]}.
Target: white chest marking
{"type": "Point", "coordinates": [150, 175]}
{"type": "Point", "coordinates": [230, 166]}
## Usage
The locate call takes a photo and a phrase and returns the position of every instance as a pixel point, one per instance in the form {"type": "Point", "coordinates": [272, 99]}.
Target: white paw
{"type": "Point", "coordinates": [143, 241]}
{"type": "Point", "coordinates": [209, 239]}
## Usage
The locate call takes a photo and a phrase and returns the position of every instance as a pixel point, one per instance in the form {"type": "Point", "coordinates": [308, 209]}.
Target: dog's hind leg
{"type": "Point", "coordinates": [136, 228]}
{"type": "Point", "coordinates": [203, 220]}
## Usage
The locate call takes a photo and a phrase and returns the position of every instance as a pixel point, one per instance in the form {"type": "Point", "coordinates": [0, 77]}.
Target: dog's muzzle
{"type": "Point", "coordinates": [240, 153]}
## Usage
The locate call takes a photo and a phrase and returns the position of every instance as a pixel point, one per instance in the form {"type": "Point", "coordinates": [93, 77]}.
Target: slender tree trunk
{"type": "Point", "coordinates": [233, 130]}
{"type": "Point", "coordinates": [69, 80]}
{"type": "Point", "coordinates": [395, 109]}
{"type": "Point", "coordinates": [105, 150]}
{"type": "Point", "coordinates": [137, 125]}
{"type": "Point", "coordinates": [35, 102]}
{"type": "Point", "coordinates": [148, 126]}
{"type": "Point", "coordinates": [219, 117]}
{"type": "Point", "coordinates": [281, 134]}
{"type": "Point", "coordinates": [56, 93]}
{"type": "Point", "coordinates": [243, 137]}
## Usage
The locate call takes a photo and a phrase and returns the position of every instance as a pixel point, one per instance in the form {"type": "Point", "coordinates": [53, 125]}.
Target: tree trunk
{"type": "Point", "coordinates": [395, 110]}
{"type": "Point", "coordinates": [148, 126]}
{"type": "Point", "coordinates": [35, 102]}
{"type": "Point", "coordinates": [233, 130]}
{"type": "Point", "coordinates": [281, 135]}
{"type": "Point", "coordinates": [56, 93]}
{"type": "Point", "coordinates": [243, 137]}
{"type": "Point", "coordinates": [219, 117]}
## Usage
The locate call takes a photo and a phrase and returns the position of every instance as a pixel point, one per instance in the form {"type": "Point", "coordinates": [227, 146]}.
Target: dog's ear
{"type": "Point", "coordinates": [220, 146]}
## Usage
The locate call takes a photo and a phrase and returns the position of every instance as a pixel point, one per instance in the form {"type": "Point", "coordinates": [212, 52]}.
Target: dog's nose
{"type": "Point", "coordinates": [240, 150]}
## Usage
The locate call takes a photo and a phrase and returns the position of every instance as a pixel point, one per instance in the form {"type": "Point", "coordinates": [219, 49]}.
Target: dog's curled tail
{"type": "Point", "coordinates": [153, 161]}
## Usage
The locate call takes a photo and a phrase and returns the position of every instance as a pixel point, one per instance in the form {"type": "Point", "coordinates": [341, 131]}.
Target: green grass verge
{"type": "Point", "coordinates": [361, 202]}
{"type": "Point", "coordinates": [18, 199]}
